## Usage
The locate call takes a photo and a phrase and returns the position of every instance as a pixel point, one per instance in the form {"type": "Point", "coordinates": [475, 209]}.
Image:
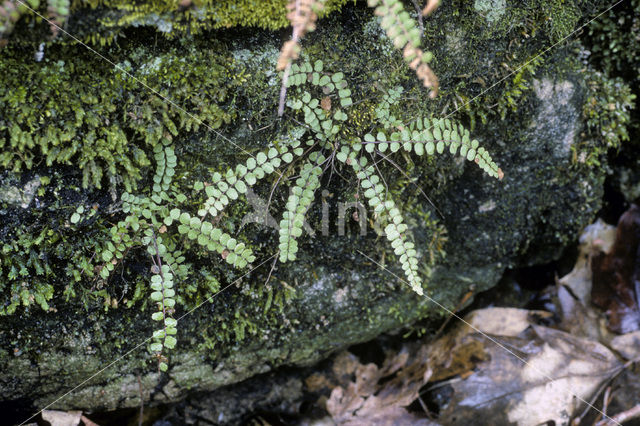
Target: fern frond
{"type": "Point", "coordinates": [58, 11]}
{"type": "Point", "coordinates": [163, 294]}
{"type": "Point", "coordinates": [166, 161]}
{"type": "Point", "coordinates": [396, 230]}
{"type": "Point", "coordinates": [298, 203]}
{"type": "Point", "coordinates": [402, 30]}
{"type": "Point", "coordinates": [235, 182]}
{"type": "Point", "coordinates": [382, 110]}
{"type": "Point", "coordinates": [214, 239]}
{"type": "Point", "coordinates": [302, 15]}
{"type": "Point", "coordinates": [430, 7]}
{"type": "Point", "coordinates": [10, 12]}
{"type": "Point", "coordinates": [434, 136]}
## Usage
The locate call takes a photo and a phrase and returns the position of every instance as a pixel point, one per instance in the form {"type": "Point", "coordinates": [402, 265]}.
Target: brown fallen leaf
{"type": "Point", "coordinates": [573, 291]}
{"type": "Point", "coordinates": [616, 275]}
{"type": "Point", "coordinates": [379, 395]}
{"type": "Point", "coordinates": [503, 389]}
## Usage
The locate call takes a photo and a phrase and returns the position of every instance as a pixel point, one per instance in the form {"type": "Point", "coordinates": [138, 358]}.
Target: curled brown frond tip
{"type": "Point", "coordinates": [430, 7]}
{"type": "Point", "coordinates": [303, 15]}
{"type": "Point", "coordinates": [417, 61]}
{"type": "Point", "coordinates": [290, 51]}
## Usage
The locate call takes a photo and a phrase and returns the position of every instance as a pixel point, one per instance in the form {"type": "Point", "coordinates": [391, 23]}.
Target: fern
{"type": "Point", "coordinates": [234, 182]}
{"type": "Point", "coordinates": [302, 15]}
{"type": "Point", "coordinates": [402, 30]}
{"type": "Point", "coordinates": [434, 136]}
{"type": "Point", "coordinates": [10, 12]}
{"type": "Point", "coordinates": [396, 229]}
{"type": "Point", "coordinates": [163, 294]}
{"type": "Point", "coordinates": [396, 22]}
{"type": "Point", "coordinates": [152, 220]}
{"type": "Point", "coordinates": [297, 204]}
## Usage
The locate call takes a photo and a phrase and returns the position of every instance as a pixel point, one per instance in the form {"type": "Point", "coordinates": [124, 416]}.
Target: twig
{"type": "Point", "coordinates": [275, 259]}
{"type": "Point", "coordinates": [632, 413]}
{"type": "Point", "coordinates": [606, 399]}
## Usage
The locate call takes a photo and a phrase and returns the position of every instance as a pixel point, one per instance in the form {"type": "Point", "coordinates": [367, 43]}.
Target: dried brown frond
{"type": "Point", "coordinates": [290, 51]}
{"type": "Point", "coordinates": [303, 15]}
{"type": "Point", "coordinates": [402, 30]}
{"type": "Point", "coordinates": [430, 7]}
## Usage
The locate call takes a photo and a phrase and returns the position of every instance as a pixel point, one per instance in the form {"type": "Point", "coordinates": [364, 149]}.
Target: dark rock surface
{"type": "Point", "coordinates": [332, 296]}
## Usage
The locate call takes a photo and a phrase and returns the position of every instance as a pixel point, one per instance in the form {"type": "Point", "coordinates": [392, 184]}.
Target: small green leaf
{"type": "Point", "coordinates": [170, 342]}
{"type": "Point", "coordinates": [344, 93]}
{"type": "Point", "coordinates": [471, 155]}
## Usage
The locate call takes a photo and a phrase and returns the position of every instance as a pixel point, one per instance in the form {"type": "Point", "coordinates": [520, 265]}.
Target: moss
{"type": "Point", "coordinates": [205, 14]}
{"type": "Point", "coordinates": [481, 83]}
{"type": "Point", "coordinates": [64, 111]}
{"type": "Point", "coordinates": [70, 110]}
{"type": "Point", "coordinates": [607, 113]}
{"type": "Point", "coordinates": [101, 22]}
{"type": "Point", "coordinates": [612, 40]}
{"type": "Point", "coordinates": [613, 44]}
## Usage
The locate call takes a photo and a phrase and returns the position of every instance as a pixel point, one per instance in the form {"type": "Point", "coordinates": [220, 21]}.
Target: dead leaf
{"type": "Point", "coordinates": [503, 321]}
{"type": "Point", "coordinates": [616, 275]}
{"type": "Point", "coordinates": [596, 238]}
{"type": "Point", "coordinates": [345, 364]}
{"type": "Point", "coordinates": [88, 422]}
{"type": "Point", "coordinates": [62, 418]}
{"type": "Point", "coordinates": [317, 382]}
{"type": "Point", "coordinates": [379, 395]}
{"type": "Point", "coordinates": [325, 103]}
{"type": "Point", "coordinates": [574, 289]}
{"type": "Point", "coordinates": [503, 389]}
{"type": "Point", "coordinates": [628, 345]}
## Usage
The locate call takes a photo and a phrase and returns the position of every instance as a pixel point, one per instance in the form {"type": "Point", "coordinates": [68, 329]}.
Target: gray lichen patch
{"type": "Point", "coordinates": [492, 10]}
{"type": "Point", "coordinates": [20, 196]}
{"type": "Point", "coordinates": [557, 108]}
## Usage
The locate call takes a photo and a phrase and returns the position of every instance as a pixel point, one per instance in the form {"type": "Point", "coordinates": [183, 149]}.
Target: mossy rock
{"type": "Point", "coordinates": [332, 296]}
